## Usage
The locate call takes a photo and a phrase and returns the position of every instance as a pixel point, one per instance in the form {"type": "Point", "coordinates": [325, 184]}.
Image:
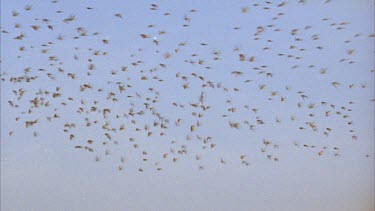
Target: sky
{"type": "Point", "coordinates": [42, 170]}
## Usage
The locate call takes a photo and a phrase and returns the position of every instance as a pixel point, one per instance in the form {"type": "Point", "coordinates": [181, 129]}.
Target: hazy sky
{"type": "Point", "coordinates": [46, 172]}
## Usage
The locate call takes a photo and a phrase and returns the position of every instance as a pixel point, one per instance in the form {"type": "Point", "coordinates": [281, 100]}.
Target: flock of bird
{"type": "Point", "coordinates": [177, 93]}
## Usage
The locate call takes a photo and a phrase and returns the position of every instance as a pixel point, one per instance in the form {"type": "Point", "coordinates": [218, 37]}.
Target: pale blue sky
{"type": "Point", "coordinates": [47, 173]}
